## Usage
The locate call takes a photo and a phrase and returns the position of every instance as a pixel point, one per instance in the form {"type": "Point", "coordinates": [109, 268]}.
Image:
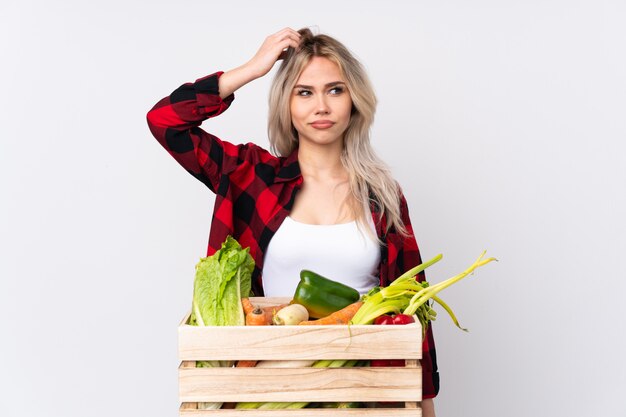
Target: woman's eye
{"type": "Point", "coordinates": [304, 93]}
{"type": "Point", "coordinates": [336, 90]}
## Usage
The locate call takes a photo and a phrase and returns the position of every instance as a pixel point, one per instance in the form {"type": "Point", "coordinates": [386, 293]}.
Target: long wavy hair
{"type": "Point", "coordinates": [370, 178]}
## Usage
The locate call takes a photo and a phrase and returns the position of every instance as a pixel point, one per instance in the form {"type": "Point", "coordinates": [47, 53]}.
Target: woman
{"type": "Point", "coordinates": [323, 200]}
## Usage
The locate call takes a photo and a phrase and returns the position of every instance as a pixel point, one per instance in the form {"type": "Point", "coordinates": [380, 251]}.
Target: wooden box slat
{"type": "Point", "coordinates": [299, 384]}
{"type": "Point", "coordinates": [299, 342]}
{"type": "Point", "coordinates": [307, 412]}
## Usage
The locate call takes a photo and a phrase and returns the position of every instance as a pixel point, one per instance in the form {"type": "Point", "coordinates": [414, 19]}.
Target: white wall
{"type": "Point", "coordinates": [503, 121]}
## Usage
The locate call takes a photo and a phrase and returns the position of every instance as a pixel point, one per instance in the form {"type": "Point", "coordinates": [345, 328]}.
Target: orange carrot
{"type": "Point", "coordinates": [271, 310]}
{"type": "Point", "coordinates": [247, 306]}
{"type": "Point", "coordinates": [342, 316]}
{"type": "Point", "coordinates": [246, 364]}
{"type": "Point", "coordinates": [257, 317]}
{"type": "Point", "coordinates": [268, 311]}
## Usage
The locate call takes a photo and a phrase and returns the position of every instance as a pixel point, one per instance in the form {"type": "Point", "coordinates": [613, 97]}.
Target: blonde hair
{"type": "Point", "coordinates": [370, 178]}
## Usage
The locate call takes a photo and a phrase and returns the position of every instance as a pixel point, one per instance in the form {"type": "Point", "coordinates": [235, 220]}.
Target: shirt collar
{"type": "Point", "coordinates": [290, 170]}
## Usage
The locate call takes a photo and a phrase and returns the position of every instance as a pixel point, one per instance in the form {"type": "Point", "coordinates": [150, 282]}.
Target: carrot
{"type": "Point", "coordinates": [271, 310]}
{"type": "Point", "coordinates": [342, 316]}
{"type": "Point", "coordinates": [246, 364]}
{"type": "Point", "coordinates": [268, 312]}
{"type": "Point", "coordinates": [247, 306]}
{"type": "Point", "coordinates": [257, 317]}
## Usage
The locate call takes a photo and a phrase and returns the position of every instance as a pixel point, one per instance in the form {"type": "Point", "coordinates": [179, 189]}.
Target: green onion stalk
{"type": "Point", "coordinates": [408, 296]}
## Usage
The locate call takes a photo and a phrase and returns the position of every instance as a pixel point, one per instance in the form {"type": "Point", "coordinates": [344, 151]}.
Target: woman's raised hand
{"type": "Point", "coordinates": [272, 49]}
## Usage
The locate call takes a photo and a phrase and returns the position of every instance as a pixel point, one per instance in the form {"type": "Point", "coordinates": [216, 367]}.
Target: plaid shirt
{"type": "Point", "coordinates": [256, 190]}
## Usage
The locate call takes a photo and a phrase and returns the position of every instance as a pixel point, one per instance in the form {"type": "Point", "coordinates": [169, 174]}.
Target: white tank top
{"type": "Point", "coordinates": [340, 252]}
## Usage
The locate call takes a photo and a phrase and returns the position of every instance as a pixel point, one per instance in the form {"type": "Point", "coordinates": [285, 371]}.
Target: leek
{"type": "Point", "coordinates": [407, 295]}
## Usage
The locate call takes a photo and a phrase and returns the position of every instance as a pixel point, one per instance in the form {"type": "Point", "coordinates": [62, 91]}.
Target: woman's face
{"type": "Point", "coordinates": [320, 103]}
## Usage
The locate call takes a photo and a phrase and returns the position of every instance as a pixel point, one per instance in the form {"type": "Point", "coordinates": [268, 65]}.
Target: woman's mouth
{"type": "Point", "coordinates": [322, 124]}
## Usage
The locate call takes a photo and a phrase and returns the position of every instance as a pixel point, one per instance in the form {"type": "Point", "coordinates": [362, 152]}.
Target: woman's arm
{"type": "Point", "coordinates": [174, 121]}
{"type": "Point", "coordinates": [407, 255]}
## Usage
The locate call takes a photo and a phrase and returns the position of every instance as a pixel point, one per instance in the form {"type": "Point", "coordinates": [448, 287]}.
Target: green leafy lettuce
{"type": "Point", "coordinates": [221, 281]}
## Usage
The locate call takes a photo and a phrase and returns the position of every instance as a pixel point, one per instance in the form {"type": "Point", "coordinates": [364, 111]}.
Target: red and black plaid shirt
{"type": "Point", "coordinates": [255, 190]}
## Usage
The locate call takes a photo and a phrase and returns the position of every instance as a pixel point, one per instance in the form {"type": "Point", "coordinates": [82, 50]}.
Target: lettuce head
{"type": "Point", "coordinates": [222, 279]}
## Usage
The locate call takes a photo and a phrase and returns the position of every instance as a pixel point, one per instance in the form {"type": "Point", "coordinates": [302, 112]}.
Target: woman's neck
{"type": "Point", "coordinates": [325, 196]}
{"type": "Point", "coordinates": [321, 161]}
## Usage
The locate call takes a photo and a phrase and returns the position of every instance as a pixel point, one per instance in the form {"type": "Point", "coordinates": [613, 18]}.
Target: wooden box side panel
{"type": "Point", "coordinates": [299, 384]}
{"type": "Point", "coordinates": [269, 301]}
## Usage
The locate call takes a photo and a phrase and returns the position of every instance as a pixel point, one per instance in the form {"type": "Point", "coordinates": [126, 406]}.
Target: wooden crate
{"type": "Point", "coordinates": [363, 384]}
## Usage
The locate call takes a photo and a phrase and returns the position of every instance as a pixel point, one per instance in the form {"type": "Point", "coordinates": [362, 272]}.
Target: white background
{"type": "Point", "coordinates": [503, 120]}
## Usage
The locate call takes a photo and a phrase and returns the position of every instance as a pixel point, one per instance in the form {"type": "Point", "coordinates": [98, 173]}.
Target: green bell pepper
{"type": "Point", "coordinates": [322, 296]}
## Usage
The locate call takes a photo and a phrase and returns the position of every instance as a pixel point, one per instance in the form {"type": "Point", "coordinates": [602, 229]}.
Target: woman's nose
{"type": "Point", "coordinates": [322, 105]}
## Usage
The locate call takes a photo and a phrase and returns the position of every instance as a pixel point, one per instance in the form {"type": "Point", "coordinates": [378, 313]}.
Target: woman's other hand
{"type": "Point", "coordinates": [272, 50]}
{"type": "Point", "coordinates": [428, 407]}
